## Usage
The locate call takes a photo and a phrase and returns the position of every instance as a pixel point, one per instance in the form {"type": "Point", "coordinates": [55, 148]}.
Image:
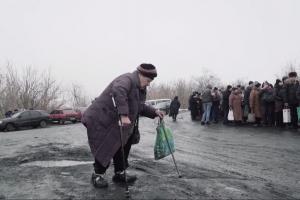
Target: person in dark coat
{"type": "Point", "coordinates": [101, 121]}
{"type": "Point", "coordinates": [194, 105]}
{"type": "Point", "coordinates": [225, 103]}
{"type": "Point", "coordinates": [8, 114]}
{"type": "Point", "coordinates": [216, 98]}
{"type": "Point", "coordinates": [247, 92]}
{"type": "Point", "coordinates": [278, 94]}
{"type": "Point", "coordinates": [268, 99]}
{"type": "Point", "coordinates": [290, 99]}
{"type": "Point", "coordinates": [174, 108]}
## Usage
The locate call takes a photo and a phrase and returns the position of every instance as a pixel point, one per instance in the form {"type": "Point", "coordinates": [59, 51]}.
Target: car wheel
{"type": "Point", "coordinates": [10, 127]}
{"type": "Point", "coordinates": [74, 121]}
{"type": "Point", "coordinates": [43, 124]}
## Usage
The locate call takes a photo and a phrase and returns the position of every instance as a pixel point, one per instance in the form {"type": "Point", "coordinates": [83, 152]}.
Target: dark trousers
{"type": "Point", "coordinates": [174, 117]}
{"type": "Point", "coordinates": [269, 113]}
{"type": "Point", "coordinates": [279, 119]}
{"type": "Point", "coordinates": [225, 118]}
{"type": "Point", "coordinates": [215, 112]}
{"type": "Point", "coordinates": [194, 113]}
{"type": "Point", "coordinates": [117, 160]}
{"type": "Point", "coordinates": [294, 116]}
{"type": "Point", "coordinates": [257, 120]}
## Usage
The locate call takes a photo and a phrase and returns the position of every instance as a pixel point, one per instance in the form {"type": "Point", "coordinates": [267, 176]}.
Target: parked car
{"type": "Point", "coordinates": [63, 115]}
{"type": "Point", "coordinates": [27, 118]}
{"type": "Point", "coordinates": [161, 104]}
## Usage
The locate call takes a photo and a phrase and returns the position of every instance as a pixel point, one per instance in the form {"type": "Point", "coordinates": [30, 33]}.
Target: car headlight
{"type": "Point", "coordinates": [0, 122]}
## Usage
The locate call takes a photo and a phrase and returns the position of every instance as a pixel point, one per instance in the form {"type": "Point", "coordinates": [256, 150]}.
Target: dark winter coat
{"type": "Point", "coordinates": [278, 94]}
{"type": "Point", "coordinates": [101, 118]}
{"type": "Point", "coordinates": [174, 107]}
{"type": "Point", "coordinates": [267, 95]}
{"type": "Point", "coordinates": [247, 96]}
{"type": "Point", "coordinates": [225, 102]}
{"type": "Point", "coordinates": [216, 98]}
{"type": "Point", "coordinates": [290, 89]}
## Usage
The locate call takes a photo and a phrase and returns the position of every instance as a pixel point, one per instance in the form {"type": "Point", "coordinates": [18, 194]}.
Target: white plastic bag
{"type": "Point", "coordinates": [251, 118]}
{"type": "Point", "coordinates": [230, 116]}
{"type": "Point", "coordinates": [286, 115]}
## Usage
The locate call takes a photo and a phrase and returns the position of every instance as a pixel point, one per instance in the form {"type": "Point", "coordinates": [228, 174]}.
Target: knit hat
{"type": "Point", "coordinates": [147, 70]}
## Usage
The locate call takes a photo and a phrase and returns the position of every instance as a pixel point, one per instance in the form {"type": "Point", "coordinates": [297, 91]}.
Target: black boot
{"type": "Point", "coordinates": [99, 181]}
{"type": "Point", "coordinates": [120, 177]}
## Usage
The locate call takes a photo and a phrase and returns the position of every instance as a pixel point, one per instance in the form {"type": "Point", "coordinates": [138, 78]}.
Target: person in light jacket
{"type": "Point", "coordinates": [206, 104]}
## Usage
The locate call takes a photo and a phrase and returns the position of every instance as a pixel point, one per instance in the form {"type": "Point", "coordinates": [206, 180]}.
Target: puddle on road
{"type": "Point", "coordinates": [60, 163]}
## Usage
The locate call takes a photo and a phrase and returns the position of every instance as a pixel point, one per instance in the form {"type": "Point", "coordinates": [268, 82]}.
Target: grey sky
{"type": "Point", "coordinates": [91, 42]}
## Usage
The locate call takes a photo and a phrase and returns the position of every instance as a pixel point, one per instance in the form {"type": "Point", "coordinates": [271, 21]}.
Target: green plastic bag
{"type": "Point", "coordinates": [164, 143]}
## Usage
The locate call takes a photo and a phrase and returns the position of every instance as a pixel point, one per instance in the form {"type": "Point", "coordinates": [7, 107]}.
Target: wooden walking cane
{"type": "Point", "coordinates": [164, 130]}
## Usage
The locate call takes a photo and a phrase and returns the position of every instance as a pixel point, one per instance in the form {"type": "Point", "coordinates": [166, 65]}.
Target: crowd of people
{"type": "Point", "coordinates": [259, 103]}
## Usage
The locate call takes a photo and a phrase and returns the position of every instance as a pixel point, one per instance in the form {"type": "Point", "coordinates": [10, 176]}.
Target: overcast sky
{"type": "Point", "coordinates": [90, 42]}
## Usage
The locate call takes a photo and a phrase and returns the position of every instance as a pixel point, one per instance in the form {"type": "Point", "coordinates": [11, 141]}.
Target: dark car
{"type": "Point", "coordinates": [33, 118]}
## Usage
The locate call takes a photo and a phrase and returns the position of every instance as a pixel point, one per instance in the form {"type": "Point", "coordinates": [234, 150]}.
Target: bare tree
{"type": "Point", "coordinates": [207, 78]}
{"type": "Point", "coordinates": [51, 95]}
{"type": "Point", "coordinates": [290, 67]}
{"type": "Point", "coordinates": [183, 90]}
{"type": "Point", "coordinates": [240, 82]}
{"type": "Point", "coordinates": [78, 98]}
{"type": "Point", "coordinates": [30, 90]}
{"type": "Point", "coordinates": [160, 91]}
{"type": "Point", "coordinates": [12, 88]}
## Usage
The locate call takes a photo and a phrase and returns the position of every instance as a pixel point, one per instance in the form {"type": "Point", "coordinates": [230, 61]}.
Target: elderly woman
{"type": "Point", "coordinates": [255, 103]}
{"type": "Point", "coordinates": [235, 104]}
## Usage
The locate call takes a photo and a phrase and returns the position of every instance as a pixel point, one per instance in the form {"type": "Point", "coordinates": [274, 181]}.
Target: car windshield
{"type": "Point", "coordinates": [15, 115]}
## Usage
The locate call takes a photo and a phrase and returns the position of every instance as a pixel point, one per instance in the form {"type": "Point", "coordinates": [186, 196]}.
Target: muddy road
{"type": "Point", "coordinates": [216, 161]}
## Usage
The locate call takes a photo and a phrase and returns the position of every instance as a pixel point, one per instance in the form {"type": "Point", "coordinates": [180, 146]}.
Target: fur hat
{"type": "Point", "coordinates": [292, 74]}
{"type": "Point", "coordinates": [147, 70]}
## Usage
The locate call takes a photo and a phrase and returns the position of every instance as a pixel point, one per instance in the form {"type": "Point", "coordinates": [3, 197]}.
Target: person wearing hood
{"type": "Point", "coordinates": [101, 120]}
{"type": "Point", "coordinates": [174, 108]}
{"type": "Point", "coordinates": [291, 85]}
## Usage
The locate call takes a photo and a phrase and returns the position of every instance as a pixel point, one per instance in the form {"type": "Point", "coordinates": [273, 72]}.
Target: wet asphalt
{"type": "Point", "coordinates": [216, 162]}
